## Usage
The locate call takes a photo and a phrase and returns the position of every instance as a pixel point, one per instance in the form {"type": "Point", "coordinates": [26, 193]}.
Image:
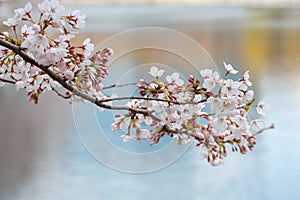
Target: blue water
{"type": "Point", "coordinates": [271, 171]}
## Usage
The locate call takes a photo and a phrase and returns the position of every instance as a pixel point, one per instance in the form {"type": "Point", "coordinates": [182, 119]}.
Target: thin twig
{"type": "Point", "coordinates": [61, 95]}
{"type": "Point", "coordinates": [115, 85]}
{"type": "Point", "coordinates": [150, 99]}
{"type": "Point", "coordinates": [272, 126]}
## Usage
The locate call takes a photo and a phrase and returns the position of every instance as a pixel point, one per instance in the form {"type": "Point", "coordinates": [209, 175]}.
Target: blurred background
{"type": "Point", "coordinates": [41, 156]}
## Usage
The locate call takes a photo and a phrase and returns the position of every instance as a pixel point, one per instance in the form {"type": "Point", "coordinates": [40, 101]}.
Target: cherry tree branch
{"type": "Point", "coordinates": [7, 81]}
{"type": "Point", "coordinates": [18, 50]}
{"type": "Point", "coordinates": [55, 64]}
{"type": "Point", "coordinates": [101, 103]}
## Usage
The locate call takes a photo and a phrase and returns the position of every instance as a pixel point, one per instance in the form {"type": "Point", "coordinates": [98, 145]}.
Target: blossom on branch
{"type": "Point", "coordinates": [211, 110]}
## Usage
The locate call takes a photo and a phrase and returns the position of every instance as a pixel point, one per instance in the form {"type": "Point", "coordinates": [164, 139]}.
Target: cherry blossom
{"type": "Point", "coordinates": [155, 72]}
{"type": "Point", "coordinates": [230, 69]}
{"type": "Point", "coordinates": [231, 88]}
{"type": "Point", "coordinates": [52, 9]}
{"type": "Point", "coordinates": [262, 107]}
{"type": "Point", "coordinates": [87, 47]}
{"type": "Point", "coordinates": [211, 110]}
{"type": "Point", "coordinates": [23, 13]}
{"type": "Point", "coordinates": [246, 78]}
{"type": "Point", "coordinates": [174, 78]}
{"type": "Point", "coordinates": [257, 125]}
{"type": "Point", "coordinates": [10, 22]}
{"type": "Point", "coordinates": [76, 19]}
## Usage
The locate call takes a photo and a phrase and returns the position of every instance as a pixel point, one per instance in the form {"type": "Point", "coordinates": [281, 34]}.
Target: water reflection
{"type": "Point", "coordinates": [42, 158]}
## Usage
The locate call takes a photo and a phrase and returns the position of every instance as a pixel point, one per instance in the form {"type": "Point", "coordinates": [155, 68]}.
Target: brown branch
{"type": "Point", "coordinates": [18, 50]}
{"type": "Point", "coordinates": [51, 74]}
{"type": "Point", "coordinates": [7, 81]}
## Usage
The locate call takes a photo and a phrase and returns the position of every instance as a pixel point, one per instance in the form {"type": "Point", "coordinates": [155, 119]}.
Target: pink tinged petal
{"type": "Point", "coordinates": [262, 107]}
{"type": "Point", "coordinates": [144, 133]}
{"type": "Point", "coordinates": [199, 135]}
{"type": "Point", "coordinates": [126, 138]}
{"type": "Point", "coordinates": [69, 75]}
{"type": "Point", "coordinates": [174, 78]}
{"type": "Point", "coordinates": [155, 72]}
{"type": "Point", "coordinates": [249, 95]}
{"type": "Point", "coordinates": [215, 104]}
{"type": "Point", "coordinates": [19, 84]}
{"type": "Point", "coordinates": [230, 69]}
{"type": "Point", "coordinates": [148, 121]}
{"type": "Point", "coordinates": [28, 7]}
{"type": "Point", "coordinates": [115, 127]}
{"type": "Point", "coordinates": [10, 22]}
{"type": "Point", "coordinates": [246, 78]}
{"type": "Point", "coordinates": [209, 83]}
{"type": "Point", "coordinates": [206, 73]}
{"type": "Point", "coordinates": [217, 161]}
{"type": "Point", "coordinates": [203, 154]}
{"type": "Point", "coordinates": [257, 125]}
{"type": "Point", "coordinates": [220, 124]}
{"type": "Point", "coordinates": [36, 28]}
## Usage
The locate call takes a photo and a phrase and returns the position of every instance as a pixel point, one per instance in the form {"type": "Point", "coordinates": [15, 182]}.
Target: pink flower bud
{"type": "Point", "coordinates": [69, 75]}
{"type": "Point", "coordinates": [36, 28]}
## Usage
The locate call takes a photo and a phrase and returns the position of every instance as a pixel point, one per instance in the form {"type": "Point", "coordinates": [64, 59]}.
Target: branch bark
{"type": "Point", "coordinates": [7, 81]}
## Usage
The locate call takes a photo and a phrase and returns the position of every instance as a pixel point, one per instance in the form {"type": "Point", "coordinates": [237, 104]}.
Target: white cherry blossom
{"type": "Point", "coordinates": [262, 107]}
{"type": "Point", "coordinates": [246, 78]}
{"type": "Point", "coordinates": [127, 138]}
{"type": "Point", "coordinates": [206, 73]}
{"type": "Point", "coordinates": [230, 69]}
{"type": "Point", "coordinates": [10, 22]}
{"type": "Point", "coordinates": [53, 9]}
{"type": "Point", "coordinates": [231, 87]}
{"type": "Point", "coordinates": [174, 78]}
{"type": "Point", "coordinates": [77, 19]}
{"type": "Point", "coordinates": [155, 72]}
{"type": "Point", "coordinates": [22, 12]}
{"type": "Point", "coordinates": [216, 104]}
{"type": "Point", "coordinates": [257, 125]}
{"type": "Point", "coordinates": [87, 47]}
{"type": "Point", "coordinates": [209, 83]}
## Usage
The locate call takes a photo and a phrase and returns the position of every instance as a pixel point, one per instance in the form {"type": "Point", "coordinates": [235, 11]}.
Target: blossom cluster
{"type": "Point", "coordinates": [72, 63]}
{"type": "Point", "coordinates": [209, 110]}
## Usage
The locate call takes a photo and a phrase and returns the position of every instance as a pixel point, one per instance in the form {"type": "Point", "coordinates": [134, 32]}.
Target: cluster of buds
{"type": "Point", "coordinates": [89, 80]}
